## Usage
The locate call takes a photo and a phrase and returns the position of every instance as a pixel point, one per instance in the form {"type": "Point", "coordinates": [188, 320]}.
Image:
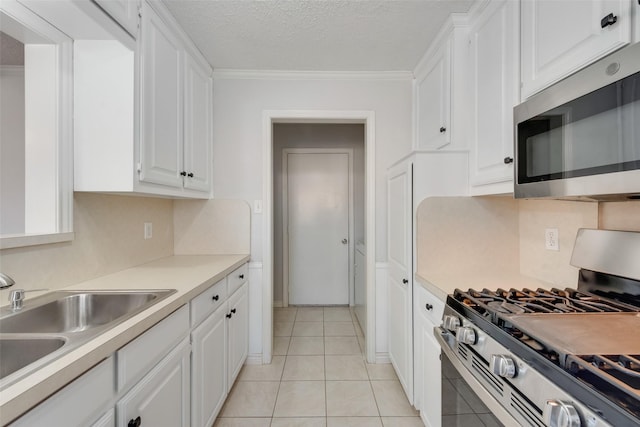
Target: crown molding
{"type": "Point", "coordinates": [220, 74]}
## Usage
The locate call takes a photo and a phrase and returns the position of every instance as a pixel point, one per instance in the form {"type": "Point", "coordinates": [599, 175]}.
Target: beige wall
{"type": "Point", "coordinates": [108, 237]}
{"type": "Point", "coordinates": [486, 238]}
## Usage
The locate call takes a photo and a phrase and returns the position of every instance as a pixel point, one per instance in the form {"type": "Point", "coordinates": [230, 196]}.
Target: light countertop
{"type": "Point", "coordinates": [190, 275]}
{"type": "Point", "coordinates": [442, 285]}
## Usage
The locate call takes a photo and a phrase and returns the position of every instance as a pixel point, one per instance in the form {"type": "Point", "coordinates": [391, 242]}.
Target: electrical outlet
{"type": "Point", "coordinates": [551, 239]}
{"type": "Point", "coordinates": [148, 230]}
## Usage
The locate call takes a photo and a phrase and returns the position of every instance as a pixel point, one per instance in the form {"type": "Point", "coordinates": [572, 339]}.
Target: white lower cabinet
{"type": "Point", "coordinates": [178, 373]}
{"type": "Point", "coordinates": [220, 344]}
{"type": "Point", "coordinates": [209, 368]}
{"type": "Point", "coordinates": [428, 381]}
{"type": "Point", "coordinates": [108, 419]}
{"type": "Point", "coordinates": [80, 403]}
{"type": "Point", "coordinates": [162, 396]}
{"type": "Point", "coordinates": [238, 331]}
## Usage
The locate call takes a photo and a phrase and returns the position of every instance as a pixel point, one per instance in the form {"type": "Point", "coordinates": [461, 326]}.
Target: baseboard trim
{"type": "Point", "coordinates": [254, 359]}
{"type": "Point", "coordinates": [382, 358]}
{"type": "Point", "coordinates": [277, 304]}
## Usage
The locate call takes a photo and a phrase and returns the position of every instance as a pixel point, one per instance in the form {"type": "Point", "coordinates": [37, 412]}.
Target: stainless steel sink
{"type": "Point", "coordinates": [76, 312]}
{"type": "Point", "coordinates": [53, 324]}
{"type": "Point", "coordinates": [20, 352]}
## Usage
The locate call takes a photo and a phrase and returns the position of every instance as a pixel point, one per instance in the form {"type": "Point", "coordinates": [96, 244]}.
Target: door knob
{"type": "Point", "coordinates": [344, 241]}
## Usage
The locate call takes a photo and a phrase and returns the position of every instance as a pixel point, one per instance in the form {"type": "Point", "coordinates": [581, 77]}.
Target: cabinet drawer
{"type": "Point", "coordinates": [140, 355]}
{"type": "Point", "coordinates": [79, 403]}
{"type": "Point", "coordinates": [426, 299]}
{"type": "Point", "coordinates": [208, 301]}
{"type": "Point", "coordinates": [237, 278]}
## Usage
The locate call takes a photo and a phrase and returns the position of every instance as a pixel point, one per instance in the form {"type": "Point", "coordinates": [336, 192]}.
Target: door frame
{"type": "Point", "coordinates": [285, 217]}
{"type": "Point", "coordinates": [269, 117]}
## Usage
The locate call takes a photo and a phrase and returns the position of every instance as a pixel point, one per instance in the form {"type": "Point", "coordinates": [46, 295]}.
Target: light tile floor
{"type": "Point", "coordinates": [318, 378]}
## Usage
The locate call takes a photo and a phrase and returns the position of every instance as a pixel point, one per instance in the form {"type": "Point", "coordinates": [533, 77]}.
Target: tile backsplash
{"type": "Point", "coordinates": [109, 236]}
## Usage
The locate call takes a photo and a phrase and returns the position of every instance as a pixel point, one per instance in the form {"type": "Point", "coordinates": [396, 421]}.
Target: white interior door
{"type": "Point", "coordinates": [318, 228]}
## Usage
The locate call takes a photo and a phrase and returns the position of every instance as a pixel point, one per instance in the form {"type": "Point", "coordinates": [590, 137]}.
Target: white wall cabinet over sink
{"type": "Point", "coordinates": [559, 37]}
{"type": "Point", "coordinates": [159, 93]}
{"type": "Point", "coordinates": [493, 51]}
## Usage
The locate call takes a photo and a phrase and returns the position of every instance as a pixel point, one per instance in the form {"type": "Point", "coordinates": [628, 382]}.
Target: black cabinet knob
{"type": "Point", "coordinates": [443, 129]}
{"type": "Point", "coordinates": [428, 306]}
{"type": "Point", "coordinates": [241, 276]}
{"type": "Point", "coordinates": [190, 174]}
{"type": "Point", "coordinates": [215, 297]}
{"type": "Point", "coordinates": [229, 315]}
{"type": "Point", "coordinates": [405, 281]}
{"type": "Point", "coordinates": [233, 310]}
{"type": "Point", "coordinates": [508, 160]}
{"type": "Point", "coordinates": [183, 173]}
{"type": "Point", "coordinates": [610, 19]}
{"type": "Point", "coordinates": [135, 422]}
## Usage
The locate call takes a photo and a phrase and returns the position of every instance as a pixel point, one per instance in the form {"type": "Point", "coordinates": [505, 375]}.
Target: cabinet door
{"type": "Point", "coordinates": [559, 37]}
{"type": "Point", "coordinates": [108, 419]}
{"type": "Point", "coordinates": [238, 331]}
{"type": "Point", "coordinates": [400, 268]}
{"type": "Point", "coordinates": [431, 380]}
{"type": "Point", "coordinates": [493, 59]}
{"type": "Point", "coordinates": [197, 121]}
{"type": "Point", "coordinates": [161, 398]}
{"type": "Point", "coordinates": [434, 100]}
{"type": "Point", "coordinates": [124, 12]}
{"type": "Point", "coordinates": [209, 368]}
{"type": "Point", "coordinates": [161, 139]}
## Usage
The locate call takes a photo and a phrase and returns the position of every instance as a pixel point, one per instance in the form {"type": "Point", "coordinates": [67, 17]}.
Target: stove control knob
{"type": "Point", "coordinates": [466, 335]}
{"type": "Point", "coordinates": [450, 323]}
{"type": "Point", "coordinates": [503, 366]}
{"type": "Point", "coordinates": [558, 413]}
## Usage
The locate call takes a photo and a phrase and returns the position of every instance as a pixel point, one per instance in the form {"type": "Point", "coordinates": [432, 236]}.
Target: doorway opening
{"type": "Point", "coordinates": [308, 154]}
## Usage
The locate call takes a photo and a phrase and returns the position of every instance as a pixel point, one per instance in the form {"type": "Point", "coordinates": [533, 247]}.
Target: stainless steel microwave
{"type": "Point", "coordinates": [580, 138]}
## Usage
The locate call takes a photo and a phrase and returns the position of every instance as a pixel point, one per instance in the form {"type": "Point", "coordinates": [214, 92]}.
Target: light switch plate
{"type": "Point", "coordinates": [148, 230]}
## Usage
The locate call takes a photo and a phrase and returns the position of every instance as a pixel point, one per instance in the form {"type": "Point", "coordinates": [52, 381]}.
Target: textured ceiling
{"type": "Point", "coordinates": [319, 35]}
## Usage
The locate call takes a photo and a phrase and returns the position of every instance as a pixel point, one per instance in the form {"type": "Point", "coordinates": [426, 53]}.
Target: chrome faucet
{"type": "Point", "coordinates": [16, 297]}
{"type": "Point", "coordinates": [6, 281]}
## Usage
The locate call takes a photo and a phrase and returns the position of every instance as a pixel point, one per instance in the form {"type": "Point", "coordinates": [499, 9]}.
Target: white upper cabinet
{"type": "Point", "coordinates": [151, 132]}
{"type": "Point", "coordinates": [494, 67]}
{"type": "Point", "coordinates": [124, 12]}
{"type": "Point", "coordinates": [161, 112]}
{"type": "Point", "coordinates": [559, 37]}
{"type": "Point", "coordinates": [434, 100]}
{"type": "Point", "coordinates": [441, 112]}
{"type": "Point", "coordinates": [197, 124]}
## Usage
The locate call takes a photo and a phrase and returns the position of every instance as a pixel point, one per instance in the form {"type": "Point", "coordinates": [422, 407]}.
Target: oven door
{"type": "Point", "coordinates": [465, 401]}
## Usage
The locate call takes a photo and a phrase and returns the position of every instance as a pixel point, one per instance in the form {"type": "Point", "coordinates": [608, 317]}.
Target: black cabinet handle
{"type": "Point", "coordinates": [233, 310]}
{"type": "Point", "coordinates": [135, 423]}
{"type": "Point", "coordinates": [229, 315]}
{"type": "Point", "coordinates": [428, 306]}
{"type": "Point", "coordinates": [405, 281]}
{"type": "Point", "coordinates": [241, 276]}
{"type": "Point", "coordinates": [610, 19]}
{"type": "Point", "coordinates": [443, 129]}
{"type": "Point", "coordinates": [508, 160]}
{"type": "Point", "coordinates": [190, 174]}
{"type": "Point", "coordinates": [183, 173]}
{"type": "Point", "coordinates": [215, 297]}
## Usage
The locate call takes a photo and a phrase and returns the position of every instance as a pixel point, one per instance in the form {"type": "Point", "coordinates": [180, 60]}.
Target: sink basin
{"type": "Point", "coordinates": [53, 324]}
{"type": "Point", "coordinates": [20, 352]}
{"type": "Point", "coordinates": [71, 312]}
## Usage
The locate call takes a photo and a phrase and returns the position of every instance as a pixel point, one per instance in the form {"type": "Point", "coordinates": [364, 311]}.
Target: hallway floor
{"type": "Point", "coordinates": [318, 378]}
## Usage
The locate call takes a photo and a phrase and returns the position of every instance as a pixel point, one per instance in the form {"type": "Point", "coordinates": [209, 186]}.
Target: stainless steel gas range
{"type": "Point", "coordinates": [557, 357]}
